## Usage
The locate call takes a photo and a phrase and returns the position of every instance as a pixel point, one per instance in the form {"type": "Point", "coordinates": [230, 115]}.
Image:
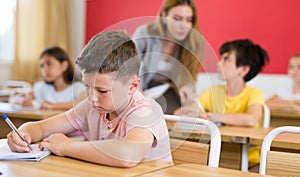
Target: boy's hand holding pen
{"type": "Point", "coordinates": [15, 136]}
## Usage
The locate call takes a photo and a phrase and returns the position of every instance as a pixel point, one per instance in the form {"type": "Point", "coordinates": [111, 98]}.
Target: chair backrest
{"type": "Point", "coordinates": [193, 152]}
{"type": "Point", "coordinates": [267, 117]}
{"type": "Point", "coordinates": [275, 162]}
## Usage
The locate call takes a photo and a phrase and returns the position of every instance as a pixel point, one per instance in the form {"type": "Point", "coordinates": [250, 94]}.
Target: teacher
{"type": "Point", "coordinates": [170, 50]}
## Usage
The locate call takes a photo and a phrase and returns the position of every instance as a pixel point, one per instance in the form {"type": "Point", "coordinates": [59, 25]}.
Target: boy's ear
{"type": "Point", "coordinates": [134, 84]}
{"type": "Point", "coordinates": [245, 70]}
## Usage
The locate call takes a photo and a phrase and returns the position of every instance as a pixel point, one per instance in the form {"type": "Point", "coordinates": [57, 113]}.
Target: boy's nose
{"type": "Point", "coordinates": [92, 95]}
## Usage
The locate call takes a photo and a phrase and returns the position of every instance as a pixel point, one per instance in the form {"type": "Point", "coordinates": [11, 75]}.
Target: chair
{"type": "Point", "coordinates": [275, 162]}
{"type": "Point", "coordinates": [267, 117]}
{"type": "Point", "coordinates": [193, 152]}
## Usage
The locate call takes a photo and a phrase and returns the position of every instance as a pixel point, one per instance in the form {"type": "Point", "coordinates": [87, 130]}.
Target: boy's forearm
{"type": "Point", "coordinates": [41, 129]}
{"type": "Point", "coordinates": [117, 153]}
{"type": "Point", "coordinates": [34, 130]}
{"type": "Point", "coordinates": [236, 119]}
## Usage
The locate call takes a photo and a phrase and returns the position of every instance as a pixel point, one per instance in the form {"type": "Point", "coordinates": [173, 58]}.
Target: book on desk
{"type": "Point", "coordinates": [35, 155]}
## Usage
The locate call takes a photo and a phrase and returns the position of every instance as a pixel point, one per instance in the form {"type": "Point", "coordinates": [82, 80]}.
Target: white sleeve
{"type": "Point", "coordinates": [78, 88]}
{"type": "Point", "coordinates": [139, 39]}
{"type": "Point", "coordinates": [38, 91]}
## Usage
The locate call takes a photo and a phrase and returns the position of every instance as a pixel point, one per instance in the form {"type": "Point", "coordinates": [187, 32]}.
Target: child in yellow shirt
{"type": "Point", "coordinates": [234, 103]}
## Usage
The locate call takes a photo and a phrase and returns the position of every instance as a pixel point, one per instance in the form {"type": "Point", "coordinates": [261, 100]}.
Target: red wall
{"type": "Point", "coordinates": [274, 24]}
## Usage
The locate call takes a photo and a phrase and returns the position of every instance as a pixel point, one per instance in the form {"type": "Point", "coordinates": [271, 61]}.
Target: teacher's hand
{"type": "Point", "coordinates": [186, 94]}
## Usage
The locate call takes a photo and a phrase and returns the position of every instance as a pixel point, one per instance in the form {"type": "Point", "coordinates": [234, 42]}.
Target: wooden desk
{"type": "Point", "coordinates": [229, 134]}
{"type": "Point", "coordinates": [28, 113]}
{"type": "Point", "coordinates": [197, 170]}
{"type": "Point", "coordinates": [68, 167]}
{"type": "Point", "coordinates": [288, 141]}
{"type": "Point", "coordinates": [235, 142]}
{"type": "Point", "coordinates": [19, 116]}
{"type": "Point", "coordinates": [281, 118]}
{"type": "Point", "coordinates": [234, 157]}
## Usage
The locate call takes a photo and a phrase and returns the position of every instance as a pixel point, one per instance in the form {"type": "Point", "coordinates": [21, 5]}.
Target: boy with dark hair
{"type": "Point", "coordinates": [234, 103]}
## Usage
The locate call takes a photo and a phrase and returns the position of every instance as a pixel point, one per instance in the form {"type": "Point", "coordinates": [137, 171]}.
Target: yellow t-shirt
{"type": "Point", "coordinates": [214, 99]}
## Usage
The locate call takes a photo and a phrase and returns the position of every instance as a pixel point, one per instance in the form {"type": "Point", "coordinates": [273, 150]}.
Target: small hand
{"type": "Point", "coordinates": [56, 143]}
{"type": "Point", "coordinates": [178, 112]}
{"type": "Point", "coordinates": [186, 111]}
{"type": "Point", "coordinates": [191, 110]}
{"type": "Point", "coordinates": [46, 105]}
{"type": "Point", "coordinates": [206, 116]}
{"type": "Point", "coordinates": [16, 144]}
{"type": "Point", "coordinates": [186, 94]}
{"type": "Point", "coordinates": [27, 101]}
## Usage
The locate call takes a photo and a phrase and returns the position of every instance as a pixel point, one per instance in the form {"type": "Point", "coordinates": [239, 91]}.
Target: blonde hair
{"type": "Point", "coordinates": [191, 48]}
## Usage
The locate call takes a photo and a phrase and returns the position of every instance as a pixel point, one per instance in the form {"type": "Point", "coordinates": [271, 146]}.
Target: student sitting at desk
{"type": "Point", "coordinates": [235, 103]}
{"type": "Point", "coordinates": [60, 89]}
{"type": "Point", "coordinates": [287, 97]}
{"type": "Point", "coordinates": [121, 126]}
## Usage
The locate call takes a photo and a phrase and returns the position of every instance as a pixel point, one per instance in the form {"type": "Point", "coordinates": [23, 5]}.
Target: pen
{"type": "Point", "coordinates": [13, 127]}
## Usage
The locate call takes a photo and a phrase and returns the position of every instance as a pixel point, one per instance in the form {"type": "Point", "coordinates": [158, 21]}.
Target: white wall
{"type": "Point", "coordinates": [5, 69]}
{"type": "Point", "coordinates": [268, 83]}
{"type": "Point", "coordinates": [78, 27]}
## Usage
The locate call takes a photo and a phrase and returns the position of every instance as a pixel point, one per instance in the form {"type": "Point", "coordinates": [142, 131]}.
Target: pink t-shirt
{"type": "Point", "coordinates": [140, 112]}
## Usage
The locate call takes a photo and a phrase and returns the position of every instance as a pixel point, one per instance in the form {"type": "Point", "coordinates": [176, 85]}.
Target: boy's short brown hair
{"type": "Point", "coordinates": [110, 52]}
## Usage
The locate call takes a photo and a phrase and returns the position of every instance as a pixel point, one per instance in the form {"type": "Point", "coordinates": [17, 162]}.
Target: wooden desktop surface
{"type": "Point", "coordinates": [233, 140]}
{"type": "Point", "coordinates": [284, 117]}
{"type": "Point", "coordinates": [253, 136]}
{"type": "Point", "coordinates": [26, 113]}
{"type": "Point", "coordinates": [67, 167]}
{"type": "Point", "coordinates": [197, 170]}
{"type": "Point", "coordinates": [19, 116]}
{"type": "Point", "coordinates": [285, 113]}
{"type": "Point", "coordinates": [229, 134]}
{"type": "Point", "coordinates": [289, 141]}
{"type": "Point", "coordinates": [233, 137]}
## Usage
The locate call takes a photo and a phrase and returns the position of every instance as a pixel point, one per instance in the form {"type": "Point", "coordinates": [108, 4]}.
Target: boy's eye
{"type": "Point", "coordinates": [102, 91]}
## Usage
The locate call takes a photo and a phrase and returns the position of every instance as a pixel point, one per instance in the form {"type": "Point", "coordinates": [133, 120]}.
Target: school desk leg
{"type": "Point", "coordinates": [244, 160]}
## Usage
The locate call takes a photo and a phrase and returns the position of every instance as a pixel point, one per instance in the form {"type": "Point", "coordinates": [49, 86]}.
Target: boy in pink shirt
{"type": "Point", "coordinates": [121, 126]}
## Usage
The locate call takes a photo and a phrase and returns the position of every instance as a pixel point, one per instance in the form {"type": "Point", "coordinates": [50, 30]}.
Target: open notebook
{"type": "Point", "coordinates": [35, 155]}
